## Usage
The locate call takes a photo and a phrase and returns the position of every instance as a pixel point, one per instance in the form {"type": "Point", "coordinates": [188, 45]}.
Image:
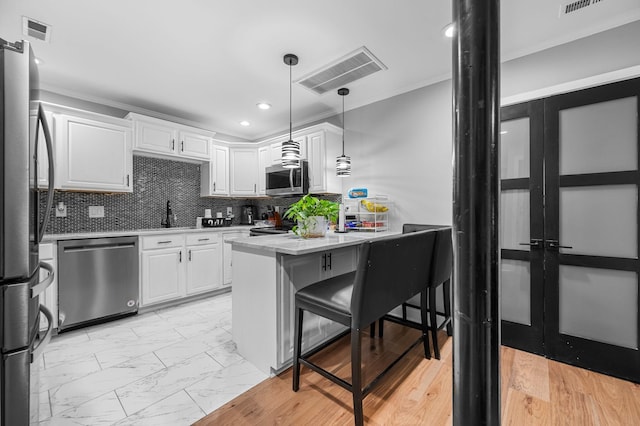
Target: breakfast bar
{"type": "Point", "coordinates": [267, 271]}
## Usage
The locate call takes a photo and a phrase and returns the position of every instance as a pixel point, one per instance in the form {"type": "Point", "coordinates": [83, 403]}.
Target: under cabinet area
{"type": "Point", "coordinates": [297, 273]}
{"type": "Point", "coordinates": [93, 154]}
{"type": "Point", "coordinates": [179, 265]}
{"type": "Point", "coordinates": [170, 140]}
{"type": "Point", "coordinates": [227, 254]}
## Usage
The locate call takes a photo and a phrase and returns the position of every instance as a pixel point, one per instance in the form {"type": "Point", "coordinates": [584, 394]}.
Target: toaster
{"type": "Point", "coordinates": [215, 222]}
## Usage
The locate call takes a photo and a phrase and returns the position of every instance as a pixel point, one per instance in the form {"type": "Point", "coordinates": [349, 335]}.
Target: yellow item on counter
{"type": "Point", "coordinates": [374, 207]}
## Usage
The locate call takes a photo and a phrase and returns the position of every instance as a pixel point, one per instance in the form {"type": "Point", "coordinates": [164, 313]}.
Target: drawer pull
{"type": "Point", "coordinates": [165, 242]}
{"type": "Point", "coordinates": [203, 239]}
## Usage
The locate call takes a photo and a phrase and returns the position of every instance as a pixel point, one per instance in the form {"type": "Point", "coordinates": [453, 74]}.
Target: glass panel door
{"type": "Point", "coordinates": [591, 228]}
{"type": "Point", "coordinates": [521, 226]}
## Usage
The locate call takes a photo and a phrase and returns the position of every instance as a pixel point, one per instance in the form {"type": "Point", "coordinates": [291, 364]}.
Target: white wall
{"type": "Point", "coordinates": [402, 146]}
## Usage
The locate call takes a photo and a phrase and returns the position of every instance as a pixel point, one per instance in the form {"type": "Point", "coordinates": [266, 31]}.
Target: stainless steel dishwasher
{"type": "Point", "coordinates": [97, 280]}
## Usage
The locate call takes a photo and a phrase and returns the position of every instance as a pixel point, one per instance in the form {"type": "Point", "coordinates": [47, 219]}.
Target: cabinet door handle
{"type": "Point", "coordinates": [324, 262]}
{"type": "Point", "coordinates": [180, 256]}
{"type": "Point", "coordinates": [214, 187]}
{"type": "Point", "coordinates": [189, 255]}
{"type": "Point", "coordinates": [329, 256]}
{"type": "Point", "coordinates": [127, 180]}
{"type": "Point", "coordinates": [173, 144]}
{"type": "Point", "coordinates": [254, 187]}
{"type": "Point", "coordinates": [182, 146]}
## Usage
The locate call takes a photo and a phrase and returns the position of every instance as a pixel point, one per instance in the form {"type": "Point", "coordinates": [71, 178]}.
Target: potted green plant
{"type": "Point", "coordinates": [313, 216]}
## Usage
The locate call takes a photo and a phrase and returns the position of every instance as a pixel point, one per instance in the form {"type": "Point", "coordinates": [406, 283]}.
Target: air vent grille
{"type": "Point", "coordinates": [346, 70]}
{"type": "Point", "coordinates": [36, 29]}
{"type": "Point", "coordinates": [567, 8]}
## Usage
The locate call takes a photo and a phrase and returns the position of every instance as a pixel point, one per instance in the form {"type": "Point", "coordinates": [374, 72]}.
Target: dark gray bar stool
{"type": "Point", "coordinates": [440, 275]}
{"type": "Point", "coordinates": [390, 271]}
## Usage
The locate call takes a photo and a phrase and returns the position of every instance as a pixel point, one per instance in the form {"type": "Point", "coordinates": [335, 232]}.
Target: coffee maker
{"type": "Point", "coordinates": [248, 215]}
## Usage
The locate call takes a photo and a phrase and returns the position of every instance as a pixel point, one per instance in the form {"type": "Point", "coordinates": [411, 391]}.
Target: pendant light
{"type": "Point", "coordinates": [343, 162]}
{"type": "Point", "coordinates": [290, 148]}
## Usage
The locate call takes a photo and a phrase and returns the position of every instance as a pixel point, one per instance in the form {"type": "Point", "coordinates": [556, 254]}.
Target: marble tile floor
{"type": "Point", "coordinates": [167, 367]}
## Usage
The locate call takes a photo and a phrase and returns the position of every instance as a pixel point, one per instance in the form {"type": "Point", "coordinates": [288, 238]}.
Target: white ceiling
{"type": "Point", "coordinates": [210, 62]}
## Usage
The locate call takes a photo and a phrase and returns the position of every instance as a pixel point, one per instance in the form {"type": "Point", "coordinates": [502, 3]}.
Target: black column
{"type": "Point", "coordinates": [476, 121]}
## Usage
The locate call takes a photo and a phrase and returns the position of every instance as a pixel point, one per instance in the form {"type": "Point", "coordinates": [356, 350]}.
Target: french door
{"type": "Point", "coordinates": [569, 228]}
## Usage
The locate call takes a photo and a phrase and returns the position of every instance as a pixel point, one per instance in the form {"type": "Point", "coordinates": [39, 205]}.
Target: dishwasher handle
{"type": "Point", "coordinates": [108, 246]}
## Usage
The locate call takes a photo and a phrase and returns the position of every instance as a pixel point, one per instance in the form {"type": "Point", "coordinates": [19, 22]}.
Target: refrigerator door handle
{"type": "Point", "coordinates": [44, 341]}
{"type": "Point", "coordinates": [37, 289]}
{"type": "Point", "coordinates": [47, 136]}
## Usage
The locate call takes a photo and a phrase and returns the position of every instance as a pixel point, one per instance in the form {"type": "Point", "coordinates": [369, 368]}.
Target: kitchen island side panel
{"type": "Point", "coordinates": [254, 306]}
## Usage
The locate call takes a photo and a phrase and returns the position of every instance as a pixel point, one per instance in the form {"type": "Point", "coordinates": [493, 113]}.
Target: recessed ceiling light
{"type": "Point", "coordinates": [449, 30]}
{"type": "Point", "coordinates": [39, 61]}
{"type": "Point", "coordinates": [504, 132]}
{"type": "Point", "coordinates": [263, 105]}
{"type": "Point", "coordinates": [244, 123]}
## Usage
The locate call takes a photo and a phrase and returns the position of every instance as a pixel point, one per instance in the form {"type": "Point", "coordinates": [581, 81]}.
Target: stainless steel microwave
{"type": "Point", "coordinates": [283, 182]}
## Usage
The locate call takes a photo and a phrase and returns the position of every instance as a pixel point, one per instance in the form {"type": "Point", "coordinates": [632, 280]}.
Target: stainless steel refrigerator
{"type": "Point", "coordinates": [21, 229]}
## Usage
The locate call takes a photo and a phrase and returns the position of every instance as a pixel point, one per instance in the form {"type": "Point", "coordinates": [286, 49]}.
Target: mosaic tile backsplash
{"type": "Point", "coordinates": [155, 181]}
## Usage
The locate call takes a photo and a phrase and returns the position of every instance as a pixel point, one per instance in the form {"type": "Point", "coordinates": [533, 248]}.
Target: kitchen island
{"type": "Point", "coordinates": [267, 271]}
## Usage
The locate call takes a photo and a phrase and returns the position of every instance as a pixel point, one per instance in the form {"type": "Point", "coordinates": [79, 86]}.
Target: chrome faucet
{"type": "Point", "coordinates": [170, 219]}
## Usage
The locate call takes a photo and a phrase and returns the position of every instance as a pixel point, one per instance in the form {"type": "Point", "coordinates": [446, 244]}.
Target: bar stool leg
{"type": "Point", "coordinates": [356, 376]}
{"type": "Point", "coordinates": [297, 348]}
{"type": "Point", "coordinates": [446, 289]}
{"type": "Point", "coordinates": [433, 326]}
{"type": "Point", "coordinates": [425, 326]}
{"type": "Point", "coordinates": [380, 327]}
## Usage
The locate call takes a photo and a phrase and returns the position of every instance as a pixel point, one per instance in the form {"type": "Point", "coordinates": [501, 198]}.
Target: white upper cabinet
{"type": "Point", "coordinates": [322, 149]}
{"type": "Point", "coordinates": [244, 171]}
{"type": "Point", "coordinates": [93, 154]}
{"type": "Point", "coordinates": [264, 161]}
{"type": "Point", "coordinates": [170, 140]}
{"type": "Point", "coordinates": [194, 145]}
{"type": "Point", "coordinates": [214, 177]}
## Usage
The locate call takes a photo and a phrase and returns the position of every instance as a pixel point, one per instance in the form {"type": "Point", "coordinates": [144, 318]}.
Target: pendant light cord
{"type": "Point", "coordinates": [290, 101]}
{"type": "Point", "coordinates": [343, 125]}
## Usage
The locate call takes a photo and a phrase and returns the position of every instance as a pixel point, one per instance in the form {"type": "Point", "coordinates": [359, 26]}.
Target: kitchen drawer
{"type": "Point", "coordinates": [201, 238]}
{"type": "Point", "coordinates": [162, 241]}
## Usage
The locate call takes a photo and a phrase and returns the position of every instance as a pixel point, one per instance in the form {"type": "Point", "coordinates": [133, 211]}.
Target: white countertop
{"type": "Point", "coordinates": [141, 232]}
{"type": "Point", "coordinates": [295, 245]}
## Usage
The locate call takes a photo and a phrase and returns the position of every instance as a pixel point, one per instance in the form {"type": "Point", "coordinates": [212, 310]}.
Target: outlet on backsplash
{"type": "Point", "coordinates": [96, 211]}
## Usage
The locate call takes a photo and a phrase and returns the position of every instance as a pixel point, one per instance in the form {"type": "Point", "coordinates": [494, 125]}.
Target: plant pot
{"type": "Point", "coordinates": [313, 227]}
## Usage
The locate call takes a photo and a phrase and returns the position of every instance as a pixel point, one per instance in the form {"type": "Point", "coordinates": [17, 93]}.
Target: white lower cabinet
{"type": "Point", "coordinates": [162, 275]}
{"type": "Point", "coordinates": [162, 268]}
{"type": "Point", "coordinates": [203, 263]}
{"type": "Point", "coordinates": [227, 263]}
{"type": "Point", "coordinates": [298, 272]}
{"type": "Point", "coordinates": [48, 254]}
{"type": "Point", "coordinates": [179, 265]}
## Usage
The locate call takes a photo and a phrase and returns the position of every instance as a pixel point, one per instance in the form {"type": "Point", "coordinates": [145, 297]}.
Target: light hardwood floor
{"type": "Point", "coordinates": [535, 391]}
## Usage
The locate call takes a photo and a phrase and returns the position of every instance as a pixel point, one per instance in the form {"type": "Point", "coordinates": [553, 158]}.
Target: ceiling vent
{"type": "Point", "coordinates": [346, 70]}
{"type": "Point", "coordinates": [36, 29]}
{"type": "Point", "coordinates": [574, 6]}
